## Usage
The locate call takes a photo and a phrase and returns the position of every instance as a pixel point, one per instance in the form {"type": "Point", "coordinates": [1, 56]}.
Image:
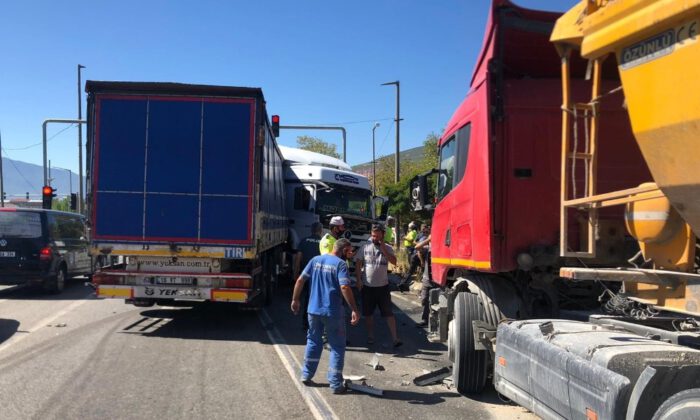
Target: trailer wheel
{"type": "Point", "coordinates": [469, 370]}
{"type": "Point", "coordinates": [683, 405]}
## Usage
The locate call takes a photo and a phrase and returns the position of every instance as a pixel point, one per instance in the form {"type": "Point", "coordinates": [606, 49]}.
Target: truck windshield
{"type": "Point", "coordinates": [344, 200]}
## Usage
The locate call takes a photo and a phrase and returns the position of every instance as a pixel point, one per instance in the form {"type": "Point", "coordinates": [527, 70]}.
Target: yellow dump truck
{"type": "Point", "coordinates": [640, 357]}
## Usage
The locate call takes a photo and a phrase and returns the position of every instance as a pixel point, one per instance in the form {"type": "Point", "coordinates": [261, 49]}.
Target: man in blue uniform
{"type": "Point", "coordinates": [329, 283]}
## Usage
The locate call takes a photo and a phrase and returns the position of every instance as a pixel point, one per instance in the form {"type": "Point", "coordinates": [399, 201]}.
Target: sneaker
{"type": "Point", "coordinates": [306, 381]}
{"type": "Point", "coordinates": [340, 390]}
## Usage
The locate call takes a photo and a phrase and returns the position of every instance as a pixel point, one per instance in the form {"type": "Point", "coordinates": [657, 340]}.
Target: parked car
{"type": "Point", "coordinates": [42, 248]}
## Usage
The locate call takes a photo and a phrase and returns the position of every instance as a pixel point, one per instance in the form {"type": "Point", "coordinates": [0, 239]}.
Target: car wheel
{"type": "Point", "coordinates": [58, 283]}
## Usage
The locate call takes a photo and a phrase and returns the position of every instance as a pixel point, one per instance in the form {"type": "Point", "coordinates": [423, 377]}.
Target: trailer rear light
{"type": "Point", "coordinates": [501, 360]}
{"type": "Point", "coordinates": [237, 283]}
{"type": "Point", "coordinates": [46, 253]}
{"type": "Point", "coordinates": [102, 278]}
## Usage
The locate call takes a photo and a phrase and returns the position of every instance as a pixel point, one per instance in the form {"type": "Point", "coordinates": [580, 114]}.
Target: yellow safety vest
{"type": "Point", "coordinates": [326, 244]}
{"type": "Point", "coordinates": [410, 238]}
{"type": "Point", "coordinates": [389, 235]}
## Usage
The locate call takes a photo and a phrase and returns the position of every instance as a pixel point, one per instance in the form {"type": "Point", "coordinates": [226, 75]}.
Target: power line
{"type": "Point", "coordinates": [41, 142]}
{"type": "Point", "coordinates": [381, 146]}
{"type": "Point", "coordinates": [357, 122]}
{"type": "Point", "coordinates": [4, 151]}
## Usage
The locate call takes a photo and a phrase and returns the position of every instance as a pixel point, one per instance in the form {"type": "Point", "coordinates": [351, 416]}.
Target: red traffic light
{"type": "Point", "coordinates": [47, 190]}
{"type": "Point", "coordinates": [276, 125]}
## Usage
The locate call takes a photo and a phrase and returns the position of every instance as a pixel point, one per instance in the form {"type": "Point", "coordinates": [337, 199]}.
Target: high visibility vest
{"type": "Point", "coordinates": [389, 235]}
{"type": "Point", "coordinates": [326, 244]}
{"type": "Point", "coordinates": [410, 239]}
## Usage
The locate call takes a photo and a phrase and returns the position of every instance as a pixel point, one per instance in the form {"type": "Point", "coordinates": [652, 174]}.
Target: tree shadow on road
{"type": "Point", "coordinates": [8, 328]}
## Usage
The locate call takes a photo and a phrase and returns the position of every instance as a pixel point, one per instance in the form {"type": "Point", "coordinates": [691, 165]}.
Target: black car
{"type": "Point", "coordinates": [42, 248]}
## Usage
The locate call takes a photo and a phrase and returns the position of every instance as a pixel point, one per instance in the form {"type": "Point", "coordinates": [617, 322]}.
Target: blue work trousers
{"type": "Point", "coordinates": [335, 329]}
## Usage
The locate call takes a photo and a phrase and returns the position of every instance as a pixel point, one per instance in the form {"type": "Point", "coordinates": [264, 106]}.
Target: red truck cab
{"type": "Point", "coordinates": [497, 194]}
{"type": "Point", "coordinates": [495, 228]}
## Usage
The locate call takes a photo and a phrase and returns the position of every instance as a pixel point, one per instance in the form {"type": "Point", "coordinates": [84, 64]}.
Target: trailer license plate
{"type": "Point", "coordinates": [171, 292]}
{"type": "Point", "coordinates": [7, 253]}
{"type": "Point", "coordinates": [185, 281]}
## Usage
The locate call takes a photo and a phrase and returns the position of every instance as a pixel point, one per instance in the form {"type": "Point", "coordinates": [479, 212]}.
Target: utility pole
{"type": "Point", "coordinates": [398, 118]}
{"type": "Point", "coordinates": [80, 144]}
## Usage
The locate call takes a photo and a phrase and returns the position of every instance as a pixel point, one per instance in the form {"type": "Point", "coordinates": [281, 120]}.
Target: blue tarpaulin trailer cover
{"type": "Point", "coordinates": [173, 168]}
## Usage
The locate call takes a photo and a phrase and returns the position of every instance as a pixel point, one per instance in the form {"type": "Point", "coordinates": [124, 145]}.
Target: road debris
{"type": "Point", "coordinates": [433, 377]}
{"type": "Point", "coordinates": [374, 363]}
{"type": "Point", "coordinates": [364, 388]}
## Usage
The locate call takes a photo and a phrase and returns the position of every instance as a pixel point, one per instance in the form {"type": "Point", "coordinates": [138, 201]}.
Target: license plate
{"type": "Point", "coordinates": [169, 292]}
{"type": "Point", "coordinates": [7, 253]}
{"type": "Point", "coordinates": [185, 281]}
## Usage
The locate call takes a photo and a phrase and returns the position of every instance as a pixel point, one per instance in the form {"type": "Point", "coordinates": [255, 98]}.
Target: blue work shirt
{"type": "Point", "coordinates": [325, 274]}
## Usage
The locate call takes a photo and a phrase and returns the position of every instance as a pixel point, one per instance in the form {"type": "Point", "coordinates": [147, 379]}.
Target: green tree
{"type": "Point", "coordinates": [62, 204]}
{"type": "Point", "coordinates": [315, 144]}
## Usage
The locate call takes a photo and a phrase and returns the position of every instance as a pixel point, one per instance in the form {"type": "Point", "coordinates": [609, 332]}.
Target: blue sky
{"type": "Point", "coordinates": [318, 62]}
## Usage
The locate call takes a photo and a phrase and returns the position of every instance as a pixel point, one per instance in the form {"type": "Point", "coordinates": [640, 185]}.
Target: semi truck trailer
{"type": "Point", "coordinates": [185, 192]}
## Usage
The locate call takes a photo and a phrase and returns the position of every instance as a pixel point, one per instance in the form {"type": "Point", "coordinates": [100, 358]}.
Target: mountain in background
{"type": "Point", "coordinates": [20, 178]}
{"type": "Point", "coordinates": [413, 154]}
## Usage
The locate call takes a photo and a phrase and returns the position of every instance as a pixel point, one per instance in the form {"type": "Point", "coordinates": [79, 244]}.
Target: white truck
{"type": "Point", "coordinates": [318, 187]}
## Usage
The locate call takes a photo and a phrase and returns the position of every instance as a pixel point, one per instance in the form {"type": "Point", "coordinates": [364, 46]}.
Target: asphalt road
{"type": "Point", "coordinates": [74, 356]}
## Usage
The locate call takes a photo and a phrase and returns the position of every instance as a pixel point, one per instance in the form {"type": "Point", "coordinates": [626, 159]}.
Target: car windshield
{"type": "Point", "coordinates": [16, 224]}
{"type": "Point", "coordinates": [344, 200]}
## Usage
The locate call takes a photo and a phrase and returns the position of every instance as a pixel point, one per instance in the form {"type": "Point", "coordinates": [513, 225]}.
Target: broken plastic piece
{"type": "Point", "coordinates": [433, 377]}
{"type": "Point", "coordinates": [363, 387]}
{"type": "Point", "coordinates": [375, 362]}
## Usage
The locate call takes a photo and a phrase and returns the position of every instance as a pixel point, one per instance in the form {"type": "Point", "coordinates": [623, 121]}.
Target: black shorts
{"type": "Point", "coordinates": [376, 296]}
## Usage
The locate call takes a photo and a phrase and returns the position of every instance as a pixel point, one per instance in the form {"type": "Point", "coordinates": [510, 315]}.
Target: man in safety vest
{"type": "Point", "coordinates": [390, 235]}
{"type": "Point", "coordinates": [336, 229]}
{"type": "Point", "coordinates": [409, 244]}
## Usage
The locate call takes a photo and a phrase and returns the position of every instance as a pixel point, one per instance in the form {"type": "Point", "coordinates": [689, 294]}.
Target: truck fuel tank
{"type": "Point", "coordinates": [570, 369]}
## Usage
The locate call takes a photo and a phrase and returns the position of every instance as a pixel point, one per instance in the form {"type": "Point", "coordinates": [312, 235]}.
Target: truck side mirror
{"type": "Point", "coordinates": [419, 191]}
{"type": "Point", "coordinates": [418, 188]}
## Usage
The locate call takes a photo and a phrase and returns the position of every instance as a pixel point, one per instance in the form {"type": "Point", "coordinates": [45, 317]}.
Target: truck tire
{"type": "Point", "coordinates": [469, 370]}
{"type": "Point", "coordinates": [684, 405]}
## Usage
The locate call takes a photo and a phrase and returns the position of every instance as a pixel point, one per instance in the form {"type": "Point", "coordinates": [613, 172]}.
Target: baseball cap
{"type": "Point", "coordinates": [337, 221]}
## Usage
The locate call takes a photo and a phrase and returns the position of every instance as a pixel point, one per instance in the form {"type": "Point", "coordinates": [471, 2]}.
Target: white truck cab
{"type": "Point", "coordinates": [319, 187]}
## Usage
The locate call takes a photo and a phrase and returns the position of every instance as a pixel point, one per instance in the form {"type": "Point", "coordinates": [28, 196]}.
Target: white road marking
{"type": "Point", "coordinates": [49, 319]}
{"type": "Point", "coordinates": [405, 299]}
{"type": "Point", "coordinates": [317, 404]}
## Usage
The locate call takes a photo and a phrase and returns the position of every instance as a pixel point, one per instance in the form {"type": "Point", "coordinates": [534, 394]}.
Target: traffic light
{"type": "Point", "coordinates": [47, 195]}
{"type": "Point", "coordinates": [73, 201]}
{"type": "Point", "coordinates": [276, 125]}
